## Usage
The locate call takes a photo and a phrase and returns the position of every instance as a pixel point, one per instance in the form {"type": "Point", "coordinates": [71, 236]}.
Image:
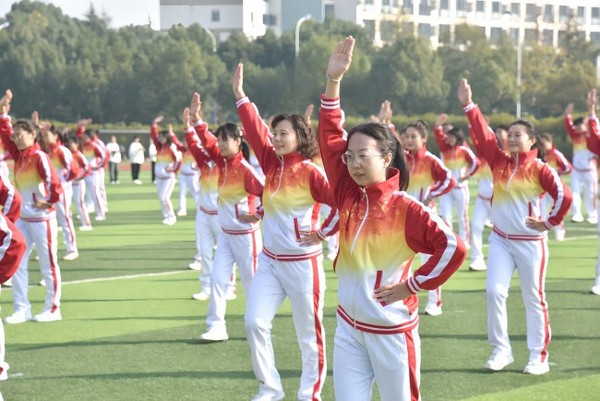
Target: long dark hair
{"type": "Point", "coordinates": [421, 127]}
{"type": "Point", "coordinates": [532, 133]}
{"type": "Point", "coordinates": [458, 134]}
{"type": "Point", "coordinates": [387, 142]}
{"type": "Point", "coordinates": [307, 141]}
{"type": "Point", "coordinates": [25, 125]}
{"type": "Point", "coordinates": [231, 130]}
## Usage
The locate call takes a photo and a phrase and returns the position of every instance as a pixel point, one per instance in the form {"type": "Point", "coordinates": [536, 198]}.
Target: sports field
{"type": "Point", "coordinates": [130, 327]}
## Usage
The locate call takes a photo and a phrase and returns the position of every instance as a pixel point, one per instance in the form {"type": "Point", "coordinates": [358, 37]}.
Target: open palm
{"type": "Point", "coordinates": [340, 60]}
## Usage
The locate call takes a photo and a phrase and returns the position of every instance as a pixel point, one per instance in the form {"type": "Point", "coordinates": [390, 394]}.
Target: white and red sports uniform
{"type": "Point", "coordinates": [381, 230]}
{"type": "Point", "coordinates": [67, 170]}
{"type": "Point", "coordinates": [593, 144]}
{"type": "Point", "coordinates": [429, 179]}
{"type": "Point", "coordinates": [519, 181]}
{"type": "Point", "coordinates": [463, 163]}
{"type": "Point", "coordinates": [12, 249]}
{"type": "Point", "coordinates": [294, 189]}
{"type": "Point", "coordinates": [79, 189]}
{"type": "Point", "coordinates": [4, 156]}
{"type": "Point", "coordinates": [94, 181]}
{"type": "Point", "coordinates": [167, 163]}
{"type": "Point", "coordinates": [10, 199]}
{"type": "Point", "coordinates": [36, 180]}
{"type": "Point", "coordinates": [584, 176]}
{"type": "Point", "coordinates": [207, 220]}
{"type": "Point", "coordinates": [239, 188]}
{"type": "Point", "coordinates": [189, 177]}
{"type": "Point", "coordinates": [558, 162]}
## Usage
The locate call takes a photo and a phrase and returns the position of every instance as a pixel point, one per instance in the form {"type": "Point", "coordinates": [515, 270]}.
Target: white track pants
{"type": "Point", "coordinates": [393, 361]}
{"type": "Point", "coordinates": [207, 232]}
{"type": "Point", "coordinates": [588, 182]}
{"type": "Point", "coordinates": [458, 200]}
{"type": "Point", "coordinates": [64, 217]}
{"type": "Point", "coordinates": [303, 282]}
{"type": "Point", "coordinates": [242, 250]}
{"type": "Point", "coordinates": [530, 259]}
{"type": "Point", "coordinates": [43, 234]}
{"type": "Point", "coordinates": [79, 201]}
{"type": "Point", "coordinates": [93, 192]}
{"type": "Point", "coordinates": [481, 213]}
{"type": "Point", "coordinates": [188, 183]}
{"type": "Point", "coordinates": [3, 364]}
{"type": "Point", "coordinates": [164, 189]}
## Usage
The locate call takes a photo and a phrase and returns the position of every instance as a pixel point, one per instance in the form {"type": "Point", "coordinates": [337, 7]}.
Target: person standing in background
{"type": "Point", "coordinates": [136, 156]}
{"type": "Point", "coordinates": [152, 152]}
{"type": "Point", "coordinates": [114, 159]}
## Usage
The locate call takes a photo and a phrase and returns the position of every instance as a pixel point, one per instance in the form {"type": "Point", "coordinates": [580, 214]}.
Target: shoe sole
{"type": "Point", "coordinates": [206, 341]}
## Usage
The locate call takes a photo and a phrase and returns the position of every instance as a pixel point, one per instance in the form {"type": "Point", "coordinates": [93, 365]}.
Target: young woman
{"type": "Point", "coordinates": [593, 144]}
{"type": "Point", "coordinates": [291, 263]}
{"type": "Point", "coordinates": [429, 178]}
{"type": "Point", "coordinates": [78, 182]}
{"type": "Point", "coordinates": [240, 189]}
{"type": "Point", "coordinates": [558, 162]}
{"type": "Point", "coordinates": [168, 160]}
{"type": "Point", "coordinates": [136, 157]}
{"type": "Point", "coordinates": [40, 188]}
{"type": "Point", "coordinates": [94, 181]}
{"type": "Point", "coordinates": [518, 239]}
{"type": "Point", "coordinates": [381, 230]}
{"type": "Point", "coordinates": [189, 177]}
{"type": "Point", "coordinates": [114, 159]}
{"type": "Point", "coordinates": [463, 163]}
{"type": "Point", "coordinates": [585, 169]}
{"type": "Point", "coordinates": [67, 170]}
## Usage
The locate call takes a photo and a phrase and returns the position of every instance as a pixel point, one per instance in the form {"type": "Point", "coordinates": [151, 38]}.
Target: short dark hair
{"type": "Point", "coordinates": [307, 141]}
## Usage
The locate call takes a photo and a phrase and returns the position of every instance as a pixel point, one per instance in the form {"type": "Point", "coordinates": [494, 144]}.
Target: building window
{"type": "Point", "coordinates": [385, 3]}
{"type": "Point", "coordinates": [595, 39]}
{"type": "Point", "coordinates": [368, 1]}
{"type": "Point", "coordinates": [581, 14]}
{"type": "Point", "coordinates": [531, 12]}
{"type": "Point", "coordinates": [425, 7]}
{"type": "Point", "coordinates": [595, 14]}
{"type": "Point", "coordinates": [424, 30]}
{"type": "Point", "coordinates": [461, 5]}
{"type": "Point", "coordinates": [531, 36]}
{"type": "Point", "coordinates": [563, 13]}
{"type": "Point", "coordinates": [515, 9]}
{"type": "Point", "coordinates": [215, 15]}
{"type": "Point", "coordinates": [445, 34]}
{"type": "Point", "coordinates": [407, 5]}
{"type": "Point", "coordinates": [495, 35]}
{"type": "Point", "coordinates": [329, 11]}
{"type": "Point", "coordinates": [480, 6]}
{"type": "Point", "coordinates": [270, 19]}
{"type": "Point", "coordinates": [548, 35]}
{"type": "Point", "coordinates": [444, 5]}
{"type": "Point", "coordinates": [548, 13]}
{"type": "Point", "coordinates": [496, 9]}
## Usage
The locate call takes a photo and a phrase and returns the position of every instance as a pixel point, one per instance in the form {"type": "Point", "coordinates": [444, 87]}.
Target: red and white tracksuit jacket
{"type": "Point", "coordinates": [593, 140]}
{"type": "Point", "coordinates": [292, 194]}
{"type": "Point", "coordinates": [429, 178]}
{"type": "Point", "coordinates": [35, 177]}
{"type": "Point", "coordinates": [558, 161]}
{"type": "Point", "coordinates": [10, 199]}
{"type": "Point", "coordinates": [62, 160]}
{"type": "Point", "coordinates": [168, 158]}
{"type": "Point", "coordinates": [583, 159]}
{"type": "Point", "coordinates": [519, 181]}
{"type": "Point", "coordinates": [239, 186]}
{"type": "Point", "coordinates": [208, 198]}
{"type": "Point", "coordinates": [460, 159]}
{"type": "Point", "coordinates": [381, 230]}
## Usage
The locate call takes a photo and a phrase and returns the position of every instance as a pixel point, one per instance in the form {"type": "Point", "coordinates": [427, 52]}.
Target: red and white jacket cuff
{"type": "Point", "coordinates": [242, 101]}
{"type": "Point", "coordinates": [413, 285]}
{"type": "Point", "coordinates": [330, 104]}
{"type": "Point", "coordinates": [469, 107]}
{"type": "Point", "coordinates": [197, 122]}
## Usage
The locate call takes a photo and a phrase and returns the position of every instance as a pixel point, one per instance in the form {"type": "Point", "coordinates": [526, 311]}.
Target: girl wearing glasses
{"type": "Point", "coordinates": [518, 239]}
{"type": "Point", "coordinates": [291, 264]}
{"type": "Point", "coordinates": [381, 230]}
{"type": "Point", "coordinates": [240, 189]}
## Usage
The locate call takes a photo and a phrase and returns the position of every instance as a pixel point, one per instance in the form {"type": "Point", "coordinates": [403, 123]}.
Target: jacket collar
{"type": "Point", "coordinates": [386, 188]}
{"type": "Point", "coordinates": [525, 157]}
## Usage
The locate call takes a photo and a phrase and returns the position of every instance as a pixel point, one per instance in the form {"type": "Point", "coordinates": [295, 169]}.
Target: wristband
{"type": "Point", "coordinates": [333, 80]}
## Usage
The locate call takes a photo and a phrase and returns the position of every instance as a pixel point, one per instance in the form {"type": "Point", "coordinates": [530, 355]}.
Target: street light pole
{"type": "Point", "coordinates": [520, 39]}
{"type": "Point", "coordinates": [212, 38]}
{"type": "Point", "coordinates": [297, 42]}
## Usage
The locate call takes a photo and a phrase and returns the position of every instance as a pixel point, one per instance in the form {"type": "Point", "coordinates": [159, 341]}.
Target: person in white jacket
{"type": "Point", "coordinates": [136, 156]}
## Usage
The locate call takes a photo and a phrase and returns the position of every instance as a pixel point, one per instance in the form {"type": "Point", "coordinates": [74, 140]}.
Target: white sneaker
{"type": "Point", "coordinates": [18, 317]}
{"type": "Point", "coordinates": [42, 282]}
{"type": "Point", "coordinates": [467, 245]}
{"type": "Point", "coordinates": [100, 218]}
{"type": "Point", "coordinates": [536, 368]}
{"type": "Point", "coordinates": [578, 218]}
{"type": "Point", "coordinates": [182, 213]}
{"type": "Point", "coordinates": [499, 361]}
{"type": "Point", "coordinates": [71, 256]}
{"type": "Point", "coordinates": [488, 224]}
{"type": "Point", "coordinates": [7, 283]}
{"type": "Point", "coordinates": [169, 221]}
{"type": "Point", "coordinates": [48, 316]}
{"type": "Point", "coordinates": [433, 310]}
{"type": "Point", "coordinates": [269, 395]}
{"type": "Point", "coordinates": [202, 295]}
{"type": "Point", "coordinates": [595, 290]}
{"type": "Point", "coordinates": [214, 334]}
{"type": "Point", "coordinates": [559, 235]}
{"type": "Point", "coordinates": [478, 265]}
{"type": "Point", "coordinates": [230, 295]}
{"type": "Point", "coordinates": [137, 182]}
{"type": "Point", "coordinates": [331, 256]}
{"type": "Point", "coordinates": [195, 265]}
{"type": "Point", "coordinates": [85, 228]}
{"type": "Point", "coordinates": [592, 220]}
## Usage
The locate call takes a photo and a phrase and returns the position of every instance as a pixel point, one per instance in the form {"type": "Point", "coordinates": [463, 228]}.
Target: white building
{"type": "Point", "coordinates": [220, 17]}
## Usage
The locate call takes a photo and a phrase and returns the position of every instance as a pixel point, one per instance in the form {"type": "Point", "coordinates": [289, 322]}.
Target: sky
{"type": "Point", "coordinates": [122, 12]}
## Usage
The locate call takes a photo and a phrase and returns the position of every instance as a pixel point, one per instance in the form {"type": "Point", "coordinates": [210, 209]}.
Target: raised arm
{"type": "Point", "coordinates": [593, 139]}
{"type": "Point", "coordinates": [5, 126]}
{"type": "Point", "coordinates": [256, 132]}
{"type": "Point", "coordinates": [180, 146]}
{"type": "Point", "coordinates": [207, 139]}
{"type": "Point", "coordinates": [438, 133]}
{"type": "Point", "coordinates": [154, 131]}
{"type": "Point", "coordinates": [483, 136]}
{"type": "Point", "coordinates": [332, 137]}
{"type": "Point", "coordinates": [568, 122]}
{"type": "Point", "coordinates": [192, 140]}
